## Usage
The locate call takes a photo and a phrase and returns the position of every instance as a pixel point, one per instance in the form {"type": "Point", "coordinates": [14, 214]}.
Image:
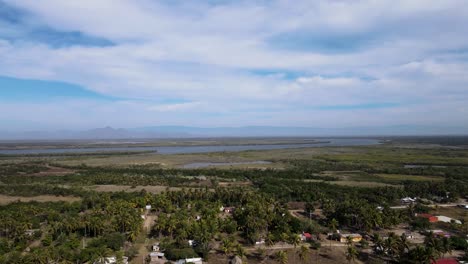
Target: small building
{"type": "Point", "coordinates": [446, 261]}
{"type": "Point", "coordinates": [429, 217]}
{"type": "Point", "coordinates": [409, 234]}
{"type": "Point", "coordinates": [354, 238]}
{"type": "Point", "coordinates": [439, 233]}
{"type": "Point", "coordinates": [190, 260]}
{"type": "Point", "coordinates": [111, 260]}
{"type": "Point", "coordinates": [157, 257]}
{"type": "Point", "coordinates": [30, 232]}
{"type": "Point", "coordinates": [155, 247]}
{"type": "Point", "coordinates": [446, 219]}
{"type": "Point", "coordinates": [407, 200]}
{"type": "Point", "coordinates": [229, 210]}
{"type": "Point", "coordinates": [260, 242]}
{"type": "Point", "coordinates": [148, 207]}
{"type": "Point", "coordinates": [306, 236]}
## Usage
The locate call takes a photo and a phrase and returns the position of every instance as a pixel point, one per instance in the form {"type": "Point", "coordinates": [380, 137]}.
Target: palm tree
{"type": "Point", "coordinates": [333, 226]}
{"type": "Point", "coordinates": [269, 240]}
{"type": "Point", "coordinates": [282, 257]}
{"type": "Point", "coordinates": [446, 246]}
{"type": "Point", "coordinates": [419, 254]}
{"type": "Point", "coordinates": [303, 253]}
{"type": "Point", "coordinates": [351, 254]}
{"type": "Point", "coordinates": [226, 246]}
{"type": "Point", "coordinates": [295, 240]}
{"type": "Point", "coordinates": [240, 251]}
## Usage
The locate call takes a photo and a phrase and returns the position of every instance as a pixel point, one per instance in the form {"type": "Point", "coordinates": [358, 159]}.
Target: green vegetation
{"type": "Point", "coordinates": [352, 188]}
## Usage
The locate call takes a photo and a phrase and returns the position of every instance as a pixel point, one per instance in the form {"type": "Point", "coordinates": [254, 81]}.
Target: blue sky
{"type": "Point", "coordinates": [85, 64]}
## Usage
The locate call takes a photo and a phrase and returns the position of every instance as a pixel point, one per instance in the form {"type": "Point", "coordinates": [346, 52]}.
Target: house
{"type": "Point", "coordinates": [229, 210]}
{"type": "Point", "coordinates": [30, 232]}
{"type": "Point", "coordinates": [190, 260]}
{"type": "Point", "coordinates": [447, 219]}
{"type": "Point", "coordinates": [407, 200]}
{"type": "Point", "coordinates": [111, 260]}
{"type": "Point", "coordinates": [429, 217]}
{"type": "Point", "coordinates": [157, 257]}
{"type": "Point", "coordinates": [148, 207]}
{"type": "Point", "coordinates": [409, 235]}
{"type": "Point", "coordinates": [354, 238]}
{"type": "Point", "coordinates": [439, 233]}
{"type": "Point", "coordinates": [260, 242]}
{"type": "Point", "coordinates": [156, 247]}
{"type": "Point", "coordinates": [306, 236]}
{"type": "Point", "coordinates": [446, 261]}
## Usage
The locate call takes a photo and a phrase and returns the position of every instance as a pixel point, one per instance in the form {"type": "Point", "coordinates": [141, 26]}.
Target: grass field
{"type": "Point", "coordinates": [126, 188]}
{"type": "Point", "coordinates": [401, 177]}
{"type": "Point", "coordinates": [6, 199]}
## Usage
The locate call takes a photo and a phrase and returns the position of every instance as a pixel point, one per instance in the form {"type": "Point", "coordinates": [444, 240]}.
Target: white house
{"type": "Point", "coordinates": [447, 219]}
{"type": "Point", "coordinates": [148, 207]}
{"type": "Point", "coordinates": [156, 247]}
{"type": "Point", "coordinates": [190, 260]}
{"type": "Point", "coordinates": [111, 260]}
{"type": "Point", "coordinates": [407, 200]}
{"type": "Point", "coordinates": [155, 256]}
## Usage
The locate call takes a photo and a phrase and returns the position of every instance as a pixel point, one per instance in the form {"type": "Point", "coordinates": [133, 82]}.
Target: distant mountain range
{"type": "Point", "coordinates": [247, 131]}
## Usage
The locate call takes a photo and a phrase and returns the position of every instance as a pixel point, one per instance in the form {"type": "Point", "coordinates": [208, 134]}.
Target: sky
{"type": "Point", "coordinates": [211, 63]}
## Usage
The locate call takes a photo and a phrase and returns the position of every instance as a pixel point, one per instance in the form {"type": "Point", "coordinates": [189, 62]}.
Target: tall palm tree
{"type": "Point", "coordinates": [240, 251]}
{"type": "Point", "coordinates": [446, 246]}
{"type": "Point", "coordinates": [418, 254]}
{"type": "Point", "coordinates": [269, 240]}
{"type": "Point", "coordinates": [303, 253]}
{"type": "Point", "coordinates": [282, 257]}
{"type": "Point", "coordinates": [333, 226]}
{"type": "Point", "coordinates": [351, 254]}
{"type": "Point", "coordinates": [226, 246]}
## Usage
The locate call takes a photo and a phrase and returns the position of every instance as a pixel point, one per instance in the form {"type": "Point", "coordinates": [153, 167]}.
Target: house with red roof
{"type": "Point", "coordinates": [306, 236]}
{"type": "Point", "coordinates": [431, 218]}
{"type": "Point", "coordinates": [446, 261]}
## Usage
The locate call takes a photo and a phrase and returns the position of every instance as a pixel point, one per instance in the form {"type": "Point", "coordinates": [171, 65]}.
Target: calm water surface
{"type": "Point", "coordinates": [333, 142]}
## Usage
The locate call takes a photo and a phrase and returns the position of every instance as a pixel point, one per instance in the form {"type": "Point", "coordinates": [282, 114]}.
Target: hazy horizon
{"type": "Point", "coordinates": [378, 65]}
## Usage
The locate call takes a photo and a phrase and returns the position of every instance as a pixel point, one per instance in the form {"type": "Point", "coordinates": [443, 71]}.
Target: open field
{"type": "Point", "coordinates": [125, 188]}
{"type": "Point", "coordinates": [342, 183]}
{"type": "Point", "coordinates": [401, 177]}
{"type": "Point", "coordinates": [6, 199]}
{"type": "Point", "coordinates": [368, 184]}
{"type": "Point", "coordinates": [157, 142]}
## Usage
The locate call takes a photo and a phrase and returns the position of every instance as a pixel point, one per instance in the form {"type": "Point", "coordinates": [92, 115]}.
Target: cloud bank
{"type": "Point", "coordinates": [235, 63]}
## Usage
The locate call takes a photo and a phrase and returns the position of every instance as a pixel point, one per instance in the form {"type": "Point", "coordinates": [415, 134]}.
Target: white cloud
{"type": "Point", "coordinates": [208, 55]}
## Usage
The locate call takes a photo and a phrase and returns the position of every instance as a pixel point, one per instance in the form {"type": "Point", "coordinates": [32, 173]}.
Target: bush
{"type": "Point", "coordinates": [182, 253]}
{"type": "Point", "coordinates": [459, 243]}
